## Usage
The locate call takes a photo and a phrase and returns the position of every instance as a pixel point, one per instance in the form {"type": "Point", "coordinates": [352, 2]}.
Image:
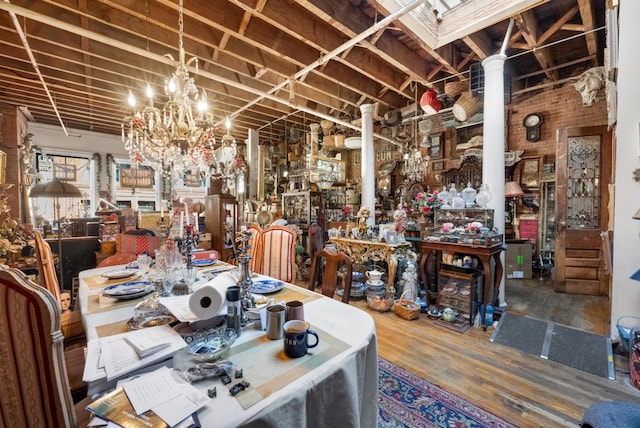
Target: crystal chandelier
{"type": "Point", "coordinates": [181, 135]}
{"type": "Point", "coordinates": [415, 166]}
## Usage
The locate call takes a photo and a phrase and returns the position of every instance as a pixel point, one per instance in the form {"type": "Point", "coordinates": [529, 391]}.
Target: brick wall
{"type": "Point", "coordinates": [12, 127]}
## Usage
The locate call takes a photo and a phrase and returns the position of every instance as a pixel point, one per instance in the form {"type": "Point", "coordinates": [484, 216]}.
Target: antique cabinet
{"type": "Point", "coordinates": [547, 228]}
{"type": "Point", "coordinates": [221, 221]}
{"type": "Point", "coordinates": [302, 208]}
{"type": "Point", "coordinates": [458, 290]}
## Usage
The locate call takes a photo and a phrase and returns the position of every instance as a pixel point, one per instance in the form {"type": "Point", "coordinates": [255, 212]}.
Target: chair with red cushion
{"type": "Point", "coordinates": [118, 259]}
{"type": "Point", "coordinates": [35, 387]}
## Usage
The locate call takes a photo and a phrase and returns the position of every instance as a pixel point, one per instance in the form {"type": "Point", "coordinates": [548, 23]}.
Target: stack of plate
{"type": "Point", "coordinates": [128, 290]}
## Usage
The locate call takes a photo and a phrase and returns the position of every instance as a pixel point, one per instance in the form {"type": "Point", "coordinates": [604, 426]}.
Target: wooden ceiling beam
{"type": "Point", "coordinates": [528, 26]}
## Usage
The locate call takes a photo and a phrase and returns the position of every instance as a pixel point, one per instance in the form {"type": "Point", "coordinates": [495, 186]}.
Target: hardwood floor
{"type": "Point", "coordinates": [524, 390]}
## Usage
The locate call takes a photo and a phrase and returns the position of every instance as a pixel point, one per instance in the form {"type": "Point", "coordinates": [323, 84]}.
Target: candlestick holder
{"type": "Point", "coordinates": [187, 244]}
{"type": "Point", "coordinates": [245, 282]}
{"type": "Point", "coordinates": [163, 230]}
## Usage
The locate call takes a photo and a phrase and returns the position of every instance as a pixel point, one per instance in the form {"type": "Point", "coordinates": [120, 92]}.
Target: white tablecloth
{"type": "Point", "coordinates": [341, 392]}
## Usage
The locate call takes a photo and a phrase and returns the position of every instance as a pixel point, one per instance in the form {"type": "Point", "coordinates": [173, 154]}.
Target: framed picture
{"type": "Point", "coordinates": [436, 145]}
{"type": "Point", "coordinates": [437, 166]}
{"type": "Point", "coordinates": [530, 172]}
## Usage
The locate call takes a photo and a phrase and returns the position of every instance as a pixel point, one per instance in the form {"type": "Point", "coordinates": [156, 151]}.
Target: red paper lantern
{"type": "Point", "coordinates": [430, 102]}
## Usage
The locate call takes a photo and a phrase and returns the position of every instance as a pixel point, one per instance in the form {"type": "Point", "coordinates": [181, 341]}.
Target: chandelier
{"type": "Point", "coordinates": [181, 134]}
{"type": "Point", "coordinates": [415, 166]}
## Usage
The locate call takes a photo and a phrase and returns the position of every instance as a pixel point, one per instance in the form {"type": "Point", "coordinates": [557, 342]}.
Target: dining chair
{"type": "Point", "coordinates": [35, 387]}
{"type": "Point", "coordinates": [254, 242]}
{"type": "Point", "coordinates": [325, 268]}
{"type": "Point", "coordinates": [276, 252]}
{"type": "Point", "coordinates": [46, 267]}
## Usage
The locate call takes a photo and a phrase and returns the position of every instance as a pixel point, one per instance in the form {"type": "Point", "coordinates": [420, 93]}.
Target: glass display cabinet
{"type": "Point", "coordinates": [546, 238]}
{"type": "Point", "coordinates": [323, 167]}
{"type": "Point", "coordinates": [470, 226]}
{"type": "Point", "coordinates": [221, 216]}
{"type": "Point", "coordinates": [302, 208]}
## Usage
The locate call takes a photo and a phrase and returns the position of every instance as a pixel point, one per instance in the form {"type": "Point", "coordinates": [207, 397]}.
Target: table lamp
{"type": "Point", "coordinates": [56, 189]}
{"type": "Point", "coordinates": [512, 190]}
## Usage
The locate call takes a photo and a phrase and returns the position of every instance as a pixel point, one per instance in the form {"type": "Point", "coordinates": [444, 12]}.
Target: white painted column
{"type": "Point", "coordinates": [253, 160]}
{"type": "Point", "coordinates": [493, 145]}
{"type": "Point", "coordinates": [367, 167]}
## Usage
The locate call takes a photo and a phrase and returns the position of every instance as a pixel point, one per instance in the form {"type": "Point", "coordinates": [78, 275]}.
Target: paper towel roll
{"type": "Point", "coordinates": [209, 300]}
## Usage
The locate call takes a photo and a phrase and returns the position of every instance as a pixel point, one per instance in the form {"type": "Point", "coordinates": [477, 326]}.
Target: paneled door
{"type": "Point", "coordinates": [583, 168]}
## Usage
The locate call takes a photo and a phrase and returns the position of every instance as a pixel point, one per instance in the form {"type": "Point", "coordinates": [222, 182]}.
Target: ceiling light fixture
{"type": "Point", "coordinates": [181, 135]}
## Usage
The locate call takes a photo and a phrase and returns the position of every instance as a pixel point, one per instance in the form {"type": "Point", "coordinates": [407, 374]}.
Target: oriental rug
{"type": "Point", "coordinates": [406, 400]}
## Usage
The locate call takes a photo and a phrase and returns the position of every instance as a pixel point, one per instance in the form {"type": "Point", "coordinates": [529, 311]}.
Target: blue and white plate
{"type": "Point", "coordinates": [203, 262]}
{"type": "Point", "coordinates": [128, 290]}
{"type": "Point", "coordinates": [266, 286]}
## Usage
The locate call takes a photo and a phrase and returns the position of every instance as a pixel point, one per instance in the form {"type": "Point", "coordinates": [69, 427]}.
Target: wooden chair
{"type": "Point", "coordinates": [35, 388]}
{"type": "Point", "coordinates": [256, 232]}
{"type": "Point", "coordinates": [276, 251]}
{"type": "Point", "coordinates": [46, 267]}
{"type": "Point", "coordinates": [328, 263]}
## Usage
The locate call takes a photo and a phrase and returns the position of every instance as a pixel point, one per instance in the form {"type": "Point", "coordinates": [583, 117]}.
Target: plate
{"type": "Point", "coordinates": [451, 289]}
{"type": "Point", "coordinates": [266, 286]}
{"type": "Point", "coordinates": [128, 290]}
{"type": "Point", "coordinates": [203, 262]}
{"type": "Point", "coordinates": [150, 321]}
{"type": "Point", "coordinates": [119, 273]}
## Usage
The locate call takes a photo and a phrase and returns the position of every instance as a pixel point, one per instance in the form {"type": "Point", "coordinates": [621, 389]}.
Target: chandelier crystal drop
{"type": "Point", "coordinates": [415, 166]}
{"type": "Point", "coordinates": [181, 134]}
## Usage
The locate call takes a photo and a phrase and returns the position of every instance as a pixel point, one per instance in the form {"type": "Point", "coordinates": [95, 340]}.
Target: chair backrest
{"type": "Point", "coordinates": [328, 264]}
{"type": "Point", "coordinates": [254, 251]}
{"type": "Point", "coordinates": [46, 267]}
{"type": "Point", "coordinates": [35, 388]}
{"type": "Point", "coordinates": [277, 253]}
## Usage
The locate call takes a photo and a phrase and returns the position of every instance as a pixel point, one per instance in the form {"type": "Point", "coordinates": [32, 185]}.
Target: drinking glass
{"type": "Point", "coordinates": [144, 263]}
{"type": "Point", "coordinates": [189, 276]}
{"type": "Point", "coordinates": [168, 281]}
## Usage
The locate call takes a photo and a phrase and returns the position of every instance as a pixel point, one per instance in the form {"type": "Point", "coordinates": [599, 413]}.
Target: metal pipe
{"type": "Point", "coordinates": [503, 49]}
{"type": "Point", "coordinates": [25, 43]}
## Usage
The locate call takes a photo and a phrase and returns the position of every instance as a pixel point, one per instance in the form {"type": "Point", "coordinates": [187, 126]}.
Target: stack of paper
{"type": "Point", "coordinates": [153, 400]}
{"type": "Point", "coordinates": [132, 351]}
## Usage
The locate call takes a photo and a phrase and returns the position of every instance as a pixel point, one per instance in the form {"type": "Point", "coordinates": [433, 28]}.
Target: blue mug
{"type": "Point", "coordinates": [296, 342]}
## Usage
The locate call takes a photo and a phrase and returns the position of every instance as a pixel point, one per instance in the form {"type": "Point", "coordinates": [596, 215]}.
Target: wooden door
{"type": "Point", "coordinates": [583, 168]}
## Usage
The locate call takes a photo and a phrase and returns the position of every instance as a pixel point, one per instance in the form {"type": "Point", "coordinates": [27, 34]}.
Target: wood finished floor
{"type": "Point", "coordinates": [522, 389]}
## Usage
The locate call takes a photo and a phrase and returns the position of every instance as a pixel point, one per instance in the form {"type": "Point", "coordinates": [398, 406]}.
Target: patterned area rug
{"type": "Point", "coordinates": [406, 400]}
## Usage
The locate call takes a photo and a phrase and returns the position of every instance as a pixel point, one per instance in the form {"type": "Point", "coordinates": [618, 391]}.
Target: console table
{"type": "Point", "coordinates": [492, 278]}
{"type": "Point", "coordinates": [360, 251]}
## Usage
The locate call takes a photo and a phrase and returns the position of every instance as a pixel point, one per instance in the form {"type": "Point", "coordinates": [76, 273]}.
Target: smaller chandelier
{"type": "Point", "coordinates": [415, 166]}
{"type": "Point", "coordinates": [182, 132]}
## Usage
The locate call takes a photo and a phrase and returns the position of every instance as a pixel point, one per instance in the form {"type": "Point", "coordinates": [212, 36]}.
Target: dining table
{"type": "Point", "coordinates": [334, 384]}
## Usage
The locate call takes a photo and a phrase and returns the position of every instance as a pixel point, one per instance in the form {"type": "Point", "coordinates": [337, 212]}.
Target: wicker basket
{"type": "Point", "coordinates": [466, 106]}
{"type": "Point", "coordinates": [455, 88]}
{"type": "Point", "coordinates": [407, 309]}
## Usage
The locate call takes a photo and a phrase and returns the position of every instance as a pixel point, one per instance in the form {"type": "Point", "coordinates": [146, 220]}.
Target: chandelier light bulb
{"type": "Point", "coordinates": [131, 99]}
{"type": "Point", "coordinates": [171, 86]}
{"type": "Point", "coordinates": [227, 123]}
{"type": "Point", "coordinates": [202, 102]}
{"type": "Point", "coordinates": [149, 92]}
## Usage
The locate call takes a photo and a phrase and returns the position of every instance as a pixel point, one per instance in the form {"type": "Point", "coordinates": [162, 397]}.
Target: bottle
{"type": "Point", "coordinates": [488, 316]}
{"type": "Point", "coordinates": [234, 309]}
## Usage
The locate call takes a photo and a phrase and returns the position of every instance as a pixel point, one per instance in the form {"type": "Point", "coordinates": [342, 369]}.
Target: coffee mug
{"type": "Point", "coordinates": [294, 311]}
{"type": "Point", "coordinates": [296, 342]}
{"type": "Point", "coordinates": [275, 321]}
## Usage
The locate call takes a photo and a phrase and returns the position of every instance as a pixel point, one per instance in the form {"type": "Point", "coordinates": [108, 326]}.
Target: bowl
{"type": "Point", "coordinates": [204, 346]}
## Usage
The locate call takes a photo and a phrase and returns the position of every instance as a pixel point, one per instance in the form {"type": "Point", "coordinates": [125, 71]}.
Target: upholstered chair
{"type": "Point", "coordinates": [254, 243]}
{"type": "Point", "coordinates": [276, 251]}
{"type": "Point", "coordinates": [35, 388]}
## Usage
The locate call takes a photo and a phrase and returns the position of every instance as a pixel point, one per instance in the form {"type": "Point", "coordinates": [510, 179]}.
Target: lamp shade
{"type": "Point", "coordinates": [430, 102]}
{"type": "Point", "coordinates": [512, 189]}
{"type": "Point", "coordinates": [55, 189]}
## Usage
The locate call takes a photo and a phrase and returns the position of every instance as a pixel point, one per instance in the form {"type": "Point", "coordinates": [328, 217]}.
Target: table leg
{"type": "Point", "coordinates": [486, 287]}
{"type": "Point", "coordinates": [393, 265]}
{"type": "Point", "coordinates": [498, 276]}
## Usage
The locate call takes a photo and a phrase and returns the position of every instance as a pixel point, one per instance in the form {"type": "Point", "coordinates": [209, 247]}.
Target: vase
{"type": "Point", "coordinates": [469, 195]}
{"type": "Point", "coordinates": [484, 196]}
